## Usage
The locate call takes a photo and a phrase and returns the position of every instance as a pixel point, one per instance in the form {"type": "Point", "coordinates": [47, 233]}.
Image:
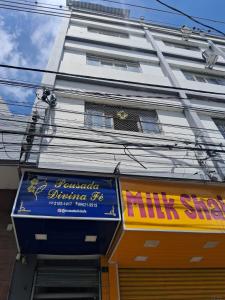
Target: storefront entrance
{"type": "Point", "coordinates": [67, 279]}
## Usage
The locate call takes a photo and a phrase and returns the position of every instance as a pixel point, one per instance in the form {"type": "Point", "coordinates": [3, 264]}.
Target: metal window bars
{"type": "Point", "coordinates": [121, 118]}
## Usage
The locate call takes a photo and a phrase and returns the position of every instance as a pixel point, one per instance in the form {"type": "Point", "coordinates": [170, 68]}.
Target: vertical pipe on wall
{"type": "Point", "coordinates": [190, 114]}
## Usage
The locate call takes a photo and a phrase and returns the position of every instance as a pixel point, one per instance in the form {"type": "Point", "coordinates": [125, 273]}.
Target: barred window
{"type": "Point", "coordinates": [220, 123]}
{"type": "Point", "coordinates": [121, 118]}
{"type": "Point", "coordinates": [108, 32]}
{"type": "Point", "coordinates": [204, 78]}
{"type": "Point", "coordinates": [113, 63]}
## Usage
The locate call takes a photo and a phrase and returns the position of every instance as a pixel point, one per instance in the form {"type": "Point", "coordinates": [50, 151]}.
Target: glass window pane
{"type": "Point", "coordinates": [106, 63]}
{"type": "Point", "coordinates": [149, 124]}
{"type": "Point", "coordinates": [133, 68]}
{"type": "Point", "coordinates": [97, 118]}
{"type": "Point", "coordinates": [189, 76]}
{"type": "Point", "coordinates": [220, 123]}
{"type": "Point", "coordinates": [93, 61]}
{"type": "Point", "coordinates": [221, 81]}
{"type": "Point", "coordinates": [212, 80]}
{"type": "Point", "coordinates": [120, 66]}
{"type": "Point", "coordinates": [95, 30]}
{"type": "Point", "coordinates": [200, 78]}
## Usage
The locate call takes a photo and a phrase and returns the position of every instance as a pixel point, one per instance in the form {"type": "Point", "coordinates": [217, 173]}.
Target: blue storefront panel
{"type": "Point", "coordinates": [65, 209]}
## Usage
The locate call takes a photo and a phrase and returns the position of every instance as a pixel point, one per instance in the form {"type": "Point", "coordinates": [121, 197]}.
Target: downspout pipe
{"type": "Point", "coordinates": [192, 117]}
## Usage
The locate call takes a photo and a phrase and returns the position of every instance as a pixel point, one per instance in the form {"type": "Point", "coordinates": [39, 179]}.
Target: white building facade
{"type": "Point", "coordinates": [136, 106]}
{"type": "Point", "coordinates": [107, 65]}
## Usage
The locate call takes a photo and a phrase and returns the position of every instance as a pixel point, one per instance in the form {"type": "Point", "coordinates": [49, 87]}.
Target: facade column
{"type": "Point", "coordinates": [114, 289]}
{"type": "Point", "coordinates": [190, 114]}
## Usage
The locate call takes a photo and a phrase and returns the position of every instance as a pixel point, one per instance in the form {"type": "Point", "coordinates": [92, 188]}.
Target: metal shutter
{"type": "Point", "coordinates": [164, 284]}
{"type": "Point", "coordinates": [65, 279]}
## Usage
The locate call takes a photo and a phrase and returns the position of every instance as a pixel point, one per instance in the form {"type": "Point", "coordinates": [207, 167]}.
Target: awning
{"type": "Point", "coordinates": [171, 225]}
{"type": "Point", "coordinates": [65, 214]}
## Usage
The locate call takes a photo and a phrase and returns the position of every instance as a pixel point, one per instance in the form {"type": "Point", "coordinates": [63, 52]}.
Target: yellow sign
{"type": "Point", "coordinates": [168, 206]}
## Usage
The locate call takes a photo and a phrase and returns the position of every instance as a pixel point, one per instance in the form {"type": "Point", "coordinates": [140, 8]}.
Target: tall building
{"type": "Point", "coordinates": [10, 146]}
{"type": "Point", "coordinates": [122, 193]}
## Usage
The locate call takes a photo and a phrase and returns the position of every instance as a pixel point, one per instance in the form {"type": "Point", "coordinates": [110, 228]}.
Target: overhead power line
{"type": "Point", "coordinates": [121, 143]}
{"type": "Point", "coordinates": [160, 10]}
{"type": "Point", "coordinates": [65, 8]}
{"type": "Point", "coordinates": [190, 17]}
{"type": "Point", "coordinates": [178, 138]}
{"type": "Point", "coordinates": [37, 5]}
{"type": "Point", "coordinates": [106, 79]}
{"type": "Point", "coordinates": [118, 98]}
{"type": "Point", "coordinates": [106, 133]}
{"type": "Point", "coordinates": [38, 8]}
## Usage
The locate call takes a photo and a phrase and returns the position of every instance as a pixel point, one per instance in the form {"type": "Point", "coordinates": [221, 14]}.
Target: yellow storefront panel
{"type": "Point", "coordinates": [169, 206]}
{"type": "Point", "coordinates": [171, 284]}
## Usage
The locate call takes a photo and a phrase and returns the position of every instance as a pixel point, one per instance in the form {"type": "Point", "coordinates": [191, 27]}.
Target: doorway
{"type": "Point", "coordinates": [67, 279]}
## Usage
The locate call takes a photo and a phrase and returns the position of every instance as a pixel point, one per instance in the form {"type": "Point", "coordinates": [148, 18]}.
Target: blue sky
{"type": "Point", "coordinates": [27, 39]}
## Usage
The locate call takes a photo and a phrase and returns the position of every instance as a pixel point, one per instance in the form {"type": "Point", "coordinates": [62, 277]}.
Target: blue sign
{"type": "Point", "coordinates": [50, 195]}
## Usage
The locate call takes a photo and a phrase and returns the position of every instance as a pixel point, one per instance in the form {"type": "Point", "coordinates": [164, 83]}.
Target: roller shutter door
{"type": "Point", "coordinates": [165, 284]}
{"type": "Point", "coordinates": [65, 279]}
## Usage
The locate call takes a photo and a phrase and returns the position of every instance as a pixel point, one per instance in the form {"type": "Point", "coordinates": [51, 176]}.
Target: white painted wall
{"type": "Point", "coordinates": [195, 85]}
{"type": "Point", "coordinates": [79, 153]}
{"type": "Point", "coordinates": [75, 63]}
{"type": "Point", "coordinates": [136, 37]}
{"type": "Point", "coordinates": [73, 154]}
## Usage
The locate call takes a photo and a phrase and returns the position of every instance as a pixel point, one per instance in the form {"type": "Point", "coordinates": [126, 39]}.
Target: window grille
{"type": "Point", "coordinates": [204, 78]}
{"type": "Point", "coordinates": [108, 32]}
{"type": "Point", "coordinates": [113, 63]}
{"type": "Point", "coordinates": [121, 118]}
{"type": "Point", "coordinates": [220, 123]}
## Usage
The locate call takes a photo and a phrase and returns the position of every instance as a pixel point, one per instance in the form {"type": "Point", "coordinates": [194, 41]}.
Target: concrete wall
{"type": "Point", "coordinates": [68, 116]}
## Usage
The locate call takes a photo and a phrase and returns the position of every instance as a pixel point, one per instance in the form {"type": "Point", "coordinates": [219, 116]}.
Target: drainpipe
{"type": "Point", "coordinates": [192, 117]}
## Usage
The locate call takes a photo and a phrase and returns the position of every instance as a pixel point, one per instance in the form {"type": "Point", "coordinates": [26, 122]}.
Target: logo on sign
{"type": "Point", "coordinates": [36, 187]}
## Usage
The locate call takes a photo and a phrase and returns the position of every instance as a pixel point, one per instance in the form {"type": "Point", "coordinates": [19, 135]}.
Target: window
{"type": "Point", "coordinates": [220, 123]}
{"type": "Point", "coordinates": [121, 118]}
{"type": "Point", "coordinates": [108, 32]}
{"type": "Point", "coordinates": [181, 46]}
{"type": "Point", "coordinates": [113, 63]}
{"type": "Point", "coordinates": [204, 78]}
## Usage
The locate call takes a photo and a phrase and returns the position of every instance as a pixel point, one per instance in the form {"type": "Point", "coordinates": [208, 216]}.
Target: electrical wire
{"type": "Point", "coordinates": [105, 79]}
{"type": "Point", "coordinates": [104, 95]}
{"type": "Point", "coordinates": [114, 154]}
{"type": "Point", "coordinates": [61, 7]}
{"type": "Point", "coordinates": [190, 17]}
{"type": "Point", "coordinates": [85, 130]}
{"type": "Point", "coordinates": [105, 132]}
{"type": "Point", "coordinates": [24, 104]}
{"type": "Point", "coordinates": [37, 5]}
{"type": "Point", "coordinates": [43, 11]}
{"type": "Point", "coordinates": [83, 113]}
{"type": "Point", "coordinates": [121, 143]}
